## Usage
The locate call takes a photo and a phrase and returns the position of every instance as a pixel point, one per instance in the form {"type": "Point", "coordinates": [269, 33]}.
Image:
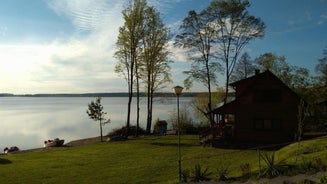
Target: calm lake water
{"type": "Point", "coordinates": [27, 121]}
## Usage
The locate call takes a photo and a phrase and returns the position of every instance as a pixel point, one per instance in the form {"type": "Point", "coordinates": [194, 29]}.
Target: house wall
{"type": "Point", "coordinates": [250, 113]}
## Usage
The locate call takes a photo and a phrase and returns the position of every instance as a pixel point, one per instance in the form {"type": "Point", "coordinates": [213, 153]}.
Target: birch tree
{"type": "Point", "coordinates": [197, 36]}
{"type": "Point", "coordinates": [234, 28]}
{"type": "Point", "coordinates": [128, 46]}
{"type": "Point", "coordinates": [154, 63]}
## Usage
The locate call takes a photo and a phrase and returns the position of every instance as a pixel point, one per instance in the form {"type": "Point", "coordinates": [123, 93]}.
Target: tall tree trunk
{"type": "Point", "coordinates": [149, 108]}
{"type": "Point", "coordinates": [130, 94]}
{"type": "Point", "coordinates": [210, 96]}
{"type": "Point", "coordinates": [227, 82]}
{"type": "Point", "coordinates": [101, 131]}
{"type": "Point", "coordinates": [137, 99]}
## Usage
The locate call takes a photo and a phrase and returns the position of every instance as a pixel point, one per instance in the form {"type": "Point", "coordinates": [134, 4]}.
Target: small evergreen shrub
{"type": "Point", "coordinates": [222, 173]}
{"type": "Point", "coordinates": [198, 175]}
{"type": "Point", "coordinates": [273, 168]}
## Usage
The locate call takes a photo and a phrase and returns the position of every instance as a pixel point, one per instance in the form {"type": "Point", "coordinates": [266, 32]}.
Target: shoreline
{"type": "Point", "coordinates": [74, 143]}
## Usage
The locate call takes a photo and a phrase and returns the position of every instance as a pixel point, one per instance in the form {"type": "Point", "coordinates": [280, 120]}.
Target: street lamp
{"type": "Point", "coordinates": [178, 91]}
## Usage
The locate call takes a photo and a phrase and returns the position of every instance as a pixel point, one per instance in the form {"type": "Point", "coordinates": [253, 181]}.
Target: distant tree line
{"type": "Point", "coordinates": [142, 94]}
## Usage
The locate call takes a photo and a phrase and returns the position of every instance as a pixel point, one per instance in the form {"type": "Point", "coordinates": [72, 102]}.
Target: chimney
{"type": "Point", "coordinates": [257, 71]}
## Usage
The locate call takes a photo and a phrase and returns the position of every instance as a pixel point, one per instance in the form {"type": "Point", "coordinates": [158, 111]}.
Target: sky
{"type": "Point", "coordinates": [67, 46]}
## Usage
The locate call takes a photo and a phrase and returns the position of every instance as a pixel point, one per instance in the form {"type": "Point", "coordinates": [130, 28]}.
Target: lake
{"type": "Point", "coordinates": [27, 121]}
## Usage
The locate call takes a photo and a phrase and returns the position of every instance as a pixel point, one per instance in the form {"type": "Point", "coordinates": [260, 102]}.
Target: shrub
{"type": "Point", "coordinates": [308, 166]}
{"type": "Point", "coordinates": [160, 127]}
{"type": "Point", "coordinates": [187, 125]}
{"type": "Point", "coordinates": [199, 175]}
{"type": "Point", "coordinates": [185, 175]}
{"type": "Point", "coordinates": [222, 173]}
{"type": "Point", "coordinates": [246, 170]}
{"type": "Point", "coordinates": [121, 131]}
{"type": "Point", "coordinates": [312, 166]}
{"type": "Point", "coordinates": [320, 165]}
{"type": "Point", "coordinates": [273, 168]}
{"type": "Point", "coordinates": [323, 180]}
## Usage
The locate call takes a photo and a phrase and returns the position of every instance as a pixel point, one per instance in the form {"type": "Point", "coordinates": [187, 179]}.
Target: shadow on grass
{"type": "Point", "coordinates": [4, 161]}
{"type": "Point", "coordinates": [250, 146]}
{"type": "Point", "coordinates": [171, 144]}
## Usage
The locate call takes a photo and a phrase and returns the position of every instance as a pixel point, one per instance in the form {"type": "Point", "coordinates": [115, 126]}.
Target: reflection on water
{"type": "Point", "coordinates": [27, 121]}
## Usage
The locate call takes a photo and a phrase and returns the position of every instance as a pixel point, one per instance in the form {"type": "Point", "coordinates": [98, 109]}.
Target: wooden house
{"type": "Point", "coordinates": [264, 111]}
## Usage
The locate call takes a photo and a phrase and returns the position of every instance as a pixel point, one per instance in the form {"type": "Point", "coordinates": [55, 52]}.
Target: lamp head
{"type": "Point", "coordinates": [178, 90]}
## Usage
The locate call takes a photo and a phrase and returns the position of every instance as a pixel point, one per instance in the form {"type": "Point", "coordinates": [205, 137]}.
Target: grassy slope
{"type": "Point", "coordinates": [145, 160]}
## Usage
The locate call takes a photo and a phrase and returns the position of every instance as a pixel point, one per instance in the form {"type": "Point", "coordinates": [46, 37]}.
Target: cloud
{"type": "Point", "coordinates": [323, 19]}
{"type": "Point", "coordinates": [83, 62]}
{"type": "Point", "coordinates": [86, 58]}
{"type": "Point", "coordinates": [88, 15]}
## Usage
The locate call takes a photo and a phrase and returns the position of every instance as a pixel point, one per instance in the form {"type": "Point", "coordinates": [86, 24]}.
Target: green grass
{"type": "Point", "coordinates": [144, 160]}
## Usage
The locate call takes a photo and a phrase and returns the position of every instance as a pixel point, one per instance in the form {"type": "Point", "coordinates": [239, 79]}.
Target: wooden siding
{"type": "Point", "coordinates": [279, 112]}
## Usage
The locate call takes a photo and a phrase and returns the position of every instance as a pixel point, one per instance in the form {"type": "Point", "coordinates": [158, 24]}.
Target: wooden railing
{"type": "Point", "coordinates": [212, 134]}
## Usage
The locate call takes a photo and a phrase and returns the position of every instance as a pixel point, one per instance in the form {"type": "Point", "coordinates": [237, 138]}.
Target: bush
{"type": "Point", "coordinates": [198, 175]}
{"type": "Point", "coordinates": [312, 166]}
{"type": "Point", "coordinates": [222, 173]}
{"type": "Point", "coordinates": [160, 127]}
{"type": "Point", "coordinates": [121, 131]}
{"type": "Point", "coordinates": [185, 176]}
{"type": "Point", "coordinates": [320, 165]}
{"type": "Point", "coordinates": [273, 168]}
{"type": "Point", "coordinates": [323, 180]}
{"type": "Point", "coordinates": [246, 171]}
{"type": "Point", "coordinates": [187, 125]}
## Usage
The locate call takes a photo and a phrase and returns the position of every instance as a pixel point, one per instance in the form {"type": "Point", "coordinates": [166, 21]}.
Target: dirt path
{"type": "Point", "coordinates": [301, 178]}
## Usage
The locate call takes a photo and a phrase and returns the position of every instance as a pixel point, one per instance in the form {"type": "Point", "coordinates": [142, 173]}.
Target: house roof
{"type": "Point", "coordinates": [255, 77]}
{"type": "Point", "coordinates": [230, 107]}
{"type": "Point", "coordinates": [225, 109]}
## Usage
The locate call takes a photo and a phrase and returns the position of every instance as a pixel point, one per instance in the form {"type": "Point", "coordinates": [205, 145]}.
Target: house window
{"type": "Point", "coordinates": [267, 95]}
{"type": "Point", "coordinates": [267, 124]}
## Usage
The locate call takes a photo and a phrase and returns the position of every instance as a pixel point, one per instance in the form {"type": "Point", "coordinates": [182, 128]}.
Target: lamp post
{"type": "Point", "coordinates": [178, 91]}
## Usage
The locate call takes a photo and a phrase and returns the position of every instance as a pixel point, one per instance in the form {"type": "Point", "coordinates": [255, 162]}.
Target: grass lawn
{"type": "Point", "coordinates": [149, 159]}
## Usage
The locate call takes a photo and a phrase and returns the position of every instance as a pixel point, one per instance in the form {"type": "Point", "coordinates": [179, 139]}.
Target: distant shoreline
{"type": "Point", "coordinates": [118, 94]}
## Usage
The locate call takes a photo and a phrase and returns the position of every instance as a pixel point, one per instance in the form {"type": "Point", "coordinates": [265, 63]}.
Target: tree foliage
{"type": "Point", "coordinates": [321, 79]}
{"type": "Point", "coordinates": [295, 77]}
{"type": "Point", "coordinates": [217, 33]}
{"type": "Point", "coordinates": [234, 28]}
{"type": "Point", "coordinates": [244, 68]}
{"type": "Point", "coordinates": [128, 44]}
{"type": "Point", "coordinates": [95, 112]}
{"type": "Point", "coordinates": [142, 54]}
{"type": "Point", "coordinates": [154, 65]}
{"type": "Point", "coordinates": [198, 37]}
{"type": "Point", "coordinates": [200, 107]}
{"type": "Point", "coordinates": [321, 68]}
